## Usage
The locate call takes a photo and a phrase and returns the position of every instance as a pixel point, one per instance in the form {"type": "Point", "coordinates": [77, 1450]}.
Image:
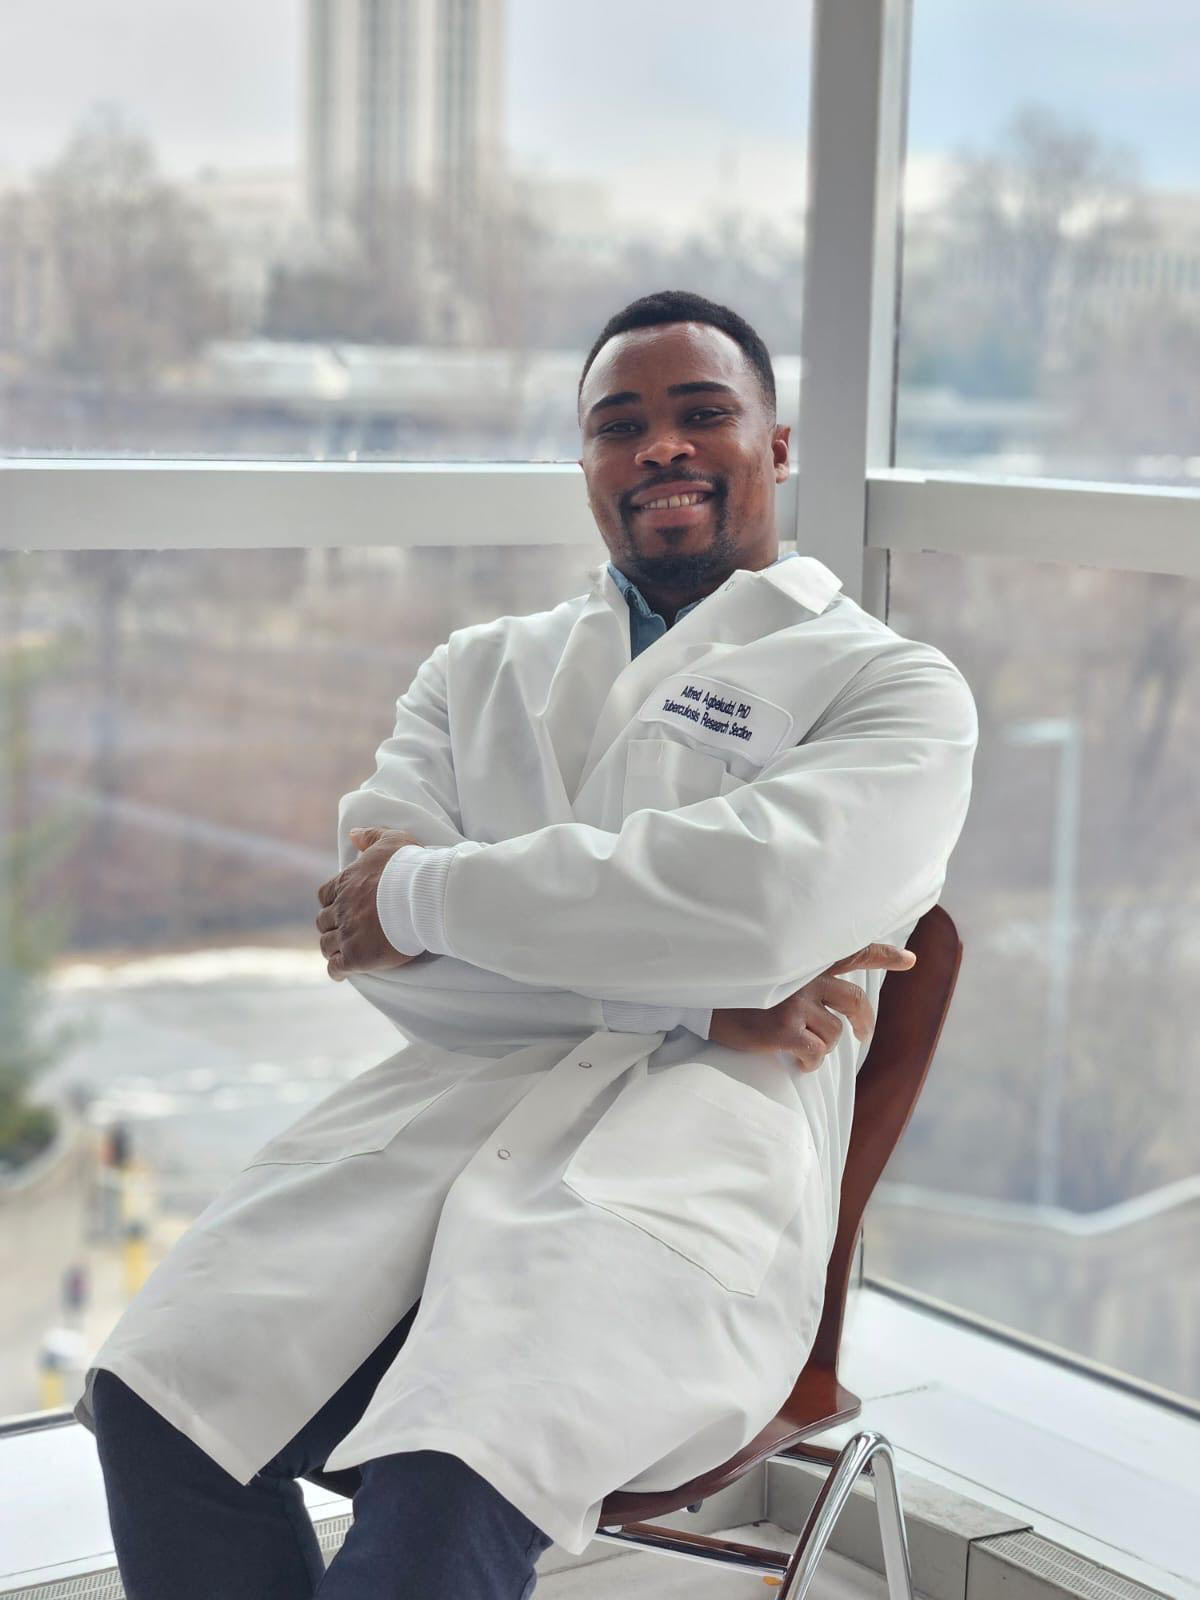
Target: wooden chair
{"type": "Point", "coordinates": [911, 1010]}
{"type": "Point", "coordinates": [908, 1023]}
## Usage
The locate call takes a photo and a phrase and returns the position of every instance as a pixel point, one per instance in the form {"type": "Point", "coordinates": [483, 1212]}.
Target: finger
{"type": "Point", "coordinates": [827, 1027]}
{"type": "Point", "coordinates": [327, 893]}
{"type": "Point", "coordinates": [326, 919]}
{"type": "Point", "coordinates": [331, 943]}
{"type": "Point", "coordinates": [873, 957]}
{"type": "Point", "coordinates": [808, 1052]}
{"type": "Point", "coordinates": [335, 967]}
{"type": "Point", "coordinates": [851, 1000]}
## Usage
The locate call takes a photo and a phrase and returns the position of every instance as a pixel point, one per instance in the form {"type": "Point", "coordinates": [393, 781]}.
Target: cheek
{"type": "Point", "coordinates": [602, 494]}
{"type": "Point", "coordinates": [744, 485]}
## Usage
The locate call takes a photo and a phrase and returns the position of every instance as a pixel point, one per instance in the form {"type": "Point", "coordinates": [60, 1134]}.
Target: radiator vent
{"type": "Point", "coordinates": [996, 1565]}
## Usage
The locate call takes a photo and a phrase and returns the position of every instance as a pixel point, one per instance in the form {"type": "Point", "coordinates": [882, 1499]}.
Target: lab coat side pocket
{"type": "Point", "coordinates": [705, 1164]}
{"type": "Point", "coordinates": [360, 1118]}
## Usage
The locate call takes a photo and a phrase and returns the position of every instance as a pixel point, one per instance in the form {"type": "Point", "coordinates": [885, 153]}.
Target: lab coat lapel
{"type": "Point", "coordinates": [748, 605]}
{"type": "Point", "coordinates": [596, 652]}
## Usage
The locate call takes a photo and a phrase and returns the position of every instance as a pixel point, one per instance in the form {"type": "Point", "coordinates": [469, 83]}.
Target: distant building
{"type": "Point", "coordinates": [402, 95]}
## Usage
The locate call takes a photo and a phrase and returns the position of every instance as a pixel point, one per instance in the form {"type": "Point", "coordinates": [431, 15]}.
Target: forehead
{"type": "Point", "coordinates": [649, 360]}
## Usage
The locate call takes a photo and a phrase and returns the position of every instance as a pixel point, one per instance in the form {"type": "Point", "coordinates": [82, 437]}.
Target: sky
{"type": "Point", "coordinates": [662, 100]}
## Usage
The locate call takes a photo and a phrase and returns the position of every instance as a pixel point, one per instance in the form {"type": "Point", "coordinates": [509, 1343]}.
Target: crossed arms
{"type": "Point", "coordinates": [839, 838]}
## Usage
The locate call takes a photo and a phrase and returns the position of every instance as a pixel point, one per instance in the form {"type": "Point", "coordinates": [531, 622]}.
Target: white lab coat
{"type": "Point", "coordinates": [619, 1239]}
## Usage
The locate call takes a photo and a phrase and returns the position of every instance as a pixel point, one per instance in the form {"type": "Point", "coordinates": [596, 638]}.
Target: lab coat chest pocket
{"type": "Point", "coordinates": [360, 1118]}
{"type": "Point", "coordinates": [663, 774]}
{"type": "Point", "coordinates": [705, 1164]}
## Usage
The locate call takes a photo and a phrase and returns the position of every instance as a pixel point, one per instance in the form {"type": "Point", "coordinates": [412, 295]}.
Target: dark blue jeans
{"type": "Point", "coordinates": [425, 1523]}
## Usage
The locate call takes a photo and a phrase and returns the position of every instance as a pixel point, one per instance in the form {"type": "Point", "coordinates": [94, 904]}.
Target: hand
{"type": "Point", "coordinates": [802, 1025]}
{"type": "Point", "coordinates": [351, 935]}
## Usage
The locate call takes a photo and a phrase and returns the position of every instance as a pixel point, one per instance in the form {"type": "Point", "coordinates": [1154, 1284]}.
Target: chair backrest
{"type": "Point", "coordinates": [908, 1023]}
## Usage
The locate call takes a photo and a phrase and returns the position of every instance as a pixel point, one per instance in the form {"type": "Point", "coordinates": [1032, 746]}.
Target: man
{"type": "Point", "coordinates": [573, 1239]}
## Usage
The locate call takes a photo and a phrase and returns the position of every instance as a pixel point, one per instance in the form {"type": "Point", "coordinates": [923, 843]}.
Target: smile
{"type": "Point", "coordinates": [673, 500]}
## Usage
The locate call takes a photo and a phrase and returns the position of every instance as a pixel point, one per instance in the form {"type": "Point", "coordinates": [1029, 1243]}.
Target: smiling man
{"type": "Point", "coordinates": [681, 469]}
{"type": "Point", "coordinates": [573, 1238]}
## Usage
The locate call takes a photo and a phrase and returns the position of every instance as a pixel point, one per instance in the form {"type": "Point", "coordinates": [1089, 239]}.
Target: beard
{"type": "Point", "coordinates": [687, 570]}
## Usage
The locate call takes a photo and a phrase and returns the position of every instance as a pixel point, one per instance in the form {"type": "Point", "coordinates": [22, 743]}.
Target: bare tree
{"type": "Point", "coordinates": [138, 272]}
{"type": "Point", "coordinates": [991, 277]}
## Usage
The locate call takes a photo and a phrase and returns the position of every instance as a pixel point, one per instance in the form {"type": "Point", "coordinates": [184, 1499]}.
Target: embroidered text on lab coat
{"type": "Point", "coordinates": [720, 715]}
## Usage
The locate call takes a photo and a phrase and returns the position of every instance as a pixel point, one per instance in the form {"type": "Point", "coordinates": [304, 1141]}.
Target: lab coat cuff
{"type": "Point", "coordinates": [627, 1016]}
{"type": "Point", "coordinates": [393, 899]}
{"type": "Point", "coordinates": [411, 897]}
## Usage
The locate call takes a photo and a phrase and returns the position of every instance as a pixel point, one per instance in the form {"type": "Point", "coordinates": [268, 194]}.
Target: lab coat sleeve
{"type": "Point", "coordinates": [414, 789]}
{"type": "Point", "coordinates": [740, 899]}
{"type": "Point", "coordinates": [400, 916]}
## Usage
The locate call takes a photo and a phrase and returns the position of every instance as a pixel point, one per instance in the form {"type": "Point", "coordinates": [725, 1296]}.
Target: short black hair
{"type": "Point", "coordinates": [680, 305]}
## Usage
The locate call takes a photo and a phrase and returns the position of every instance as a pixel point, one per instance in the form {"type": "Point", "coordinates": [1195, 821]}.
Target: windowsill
{"type": "Point", "coordinates": [1103, 1472]}
{"type": "Point", "coordinates": [974, 1422]}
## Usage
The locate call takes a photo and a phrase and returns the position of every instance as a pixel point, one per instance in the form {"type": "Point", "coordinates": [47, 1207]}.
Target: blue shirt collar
{"type": "Point", "coordinates": [637, 600]}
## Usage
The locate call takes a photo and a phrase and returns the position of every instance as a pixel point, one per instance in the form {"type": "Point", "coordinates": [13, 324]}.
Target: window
{"type": "Point", "coordinates": [417, 277]}
{"type": "Point", "coordinates": [178, 728]}
{"type": "Point", "coordinates": [1049, 1177]}
{"type": "Point", "coordinates": [1043, 332]}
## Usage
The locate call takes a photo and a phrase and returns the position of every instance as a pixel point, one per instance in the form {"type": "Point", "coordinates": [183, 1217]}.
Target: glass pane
{"type": "Point", "coordinates": [378, 231]}
{"type": "Point", "coordinates": [1051, 299]}
{"type": "Point", "coordinates": [176, 729]}
{"type": "Point", "coordinates": [1050, 1174]}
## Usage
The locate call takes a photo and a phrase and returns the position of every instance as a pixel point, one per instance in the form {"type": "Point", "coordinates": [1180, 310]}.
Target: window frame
{"type": "Point", "coordinates": [845, 502]}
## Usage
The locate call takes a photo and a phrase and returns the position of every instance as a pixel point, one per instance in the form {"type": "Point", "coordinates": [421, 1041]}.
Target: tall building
{"type": "Point", "coordinates": [401, 95]}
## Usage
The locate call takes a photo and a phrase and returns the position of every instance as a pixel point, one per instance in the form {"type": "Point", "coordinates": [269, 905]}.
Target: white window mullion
{"type": "Point", "coordinates": [855, 178]}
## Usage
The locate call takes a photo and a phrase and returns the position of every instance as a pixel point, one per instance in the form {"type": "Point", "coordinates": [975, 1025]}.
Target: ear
{"type": "Point", "coordinates": [779, 449]}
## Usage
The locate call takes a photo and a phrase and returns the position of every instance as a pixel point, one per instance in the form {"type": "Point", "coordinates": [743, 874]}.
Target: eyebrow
{"type": "Point", "coordinates": [627, 396]}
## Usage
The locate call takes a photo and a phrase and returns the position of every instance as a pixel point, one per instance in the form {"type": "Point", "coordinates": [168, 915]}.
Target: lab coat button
{"type": "Point", "coordinates": [585, 1063]}
{"type": "Point", "coordinates": [503, 1154]}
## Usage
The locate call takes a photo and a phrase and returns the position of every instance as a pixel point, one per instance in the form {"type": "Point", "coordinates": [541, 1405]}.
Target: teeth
{"type": "Point", "coordinates": [675, 500]}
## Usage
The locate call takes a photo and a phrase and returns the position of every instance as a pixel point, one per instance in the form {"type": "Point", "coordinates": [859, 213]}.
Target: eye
{"type": "Point", "coordinates": [609, 426]}
{"type": "Point", "coordinates": [712, 411]}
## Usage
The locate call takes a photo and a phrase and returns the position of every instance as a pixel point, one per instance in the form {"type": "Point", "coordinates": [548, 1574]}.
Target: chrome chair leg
{"type": "Point", "coordinates": [857, 1456]}
{"type": "Point", "coordinates": [896, 1564]}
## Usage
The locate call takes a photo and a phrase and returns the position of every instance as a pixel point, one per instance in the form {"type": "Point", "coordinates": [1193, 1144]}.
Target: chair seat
{"type": "Point", "coordinates": [817, 1401]}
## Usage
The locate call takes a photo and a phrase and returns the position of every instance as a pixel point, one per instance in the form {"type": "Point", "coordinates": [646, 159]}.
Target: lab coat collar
{"type": "Point", "coordinates": [733, 614]}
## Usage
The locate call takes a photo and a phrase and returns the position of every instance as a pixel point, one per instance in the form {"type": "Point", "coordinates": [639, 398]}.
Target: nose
{"type": "Point", "coordinates": [663, 448]}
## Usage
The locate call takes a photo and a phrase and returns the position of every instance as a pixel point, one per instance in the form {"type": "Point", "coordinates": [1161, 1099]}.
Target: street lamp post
{"type": "Point", "coordinates": [1063, 731]}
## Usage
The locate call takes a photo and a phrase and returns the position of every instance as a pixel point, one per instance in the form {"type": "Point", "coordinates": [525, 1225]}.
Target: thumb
{"type": "Point", "coordinates": [874, 956]}
{"type": "Point", "coordinates": [363, 837]}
